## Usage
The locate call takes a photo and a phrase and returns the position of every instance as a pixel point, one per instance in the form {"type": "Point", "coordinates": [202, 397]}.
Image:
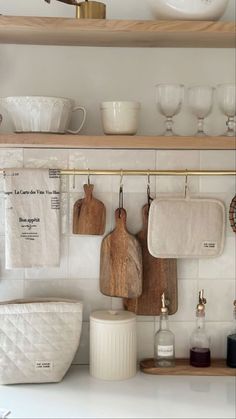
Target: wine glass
{"type": "Point", "coordinates": [200, 100]}
{"type": "Point", "coordinates": [227, 103]}
{"type": "Point", "coordinates": [169, 102]}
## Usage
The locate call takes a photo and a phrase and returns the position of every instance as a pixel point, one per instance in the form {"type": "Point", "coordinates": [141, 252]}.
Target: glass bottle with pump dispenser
{"type": "Point", "coordinates": [200, 355]}
{"type": "Point", "coordinates": [164, 348]}
{"type": "Point", "coordinates": [231, 343]}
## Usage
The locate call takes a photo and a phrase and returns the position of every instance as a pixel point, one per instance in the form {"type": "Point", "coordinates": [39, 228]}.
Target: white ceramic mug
{"type": "Point", "coordinates": [78, 108]}
{"type": "Point", "coordinates": [120, 117]}
{"type": "Point", "coordinates": [42, 113]}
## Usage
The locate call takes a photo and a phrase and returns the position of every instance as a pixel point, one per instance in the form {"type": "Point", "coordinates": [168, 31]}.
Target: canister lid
{"type": "Point", "coordinates": [112, 316]}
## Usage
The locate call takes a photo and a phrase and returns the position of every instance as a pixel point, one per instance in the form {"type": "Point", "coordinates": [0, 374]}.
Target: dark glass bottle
{"type": "Point", "coordinates": [200, 355]}
{"type": "Point", "coordinates": [231, 343]}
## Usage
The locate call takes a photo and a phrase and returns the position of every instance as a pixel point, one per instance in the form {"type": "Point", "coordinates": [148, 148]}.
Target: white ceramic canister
{"type": "Point", "coordinates": [120, 117]}
{"type": "Point", "coordinates": [113, 345]}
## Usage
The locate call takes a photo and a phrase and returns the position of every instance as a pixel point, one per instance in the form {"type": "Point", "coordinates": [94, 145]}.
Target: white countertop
{"type": "Point", "coordinates": [145, 396]}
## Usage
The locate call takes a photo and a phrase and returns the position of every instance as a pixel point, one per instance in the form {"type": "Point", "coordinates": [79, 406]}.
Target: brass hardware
{"type": "Point", "coordinates": [202, 302]}
{"type": "Point", "coordinates": [74, 179]}
{"type": "Point", "coordinates": [99, 172]}
{"type": "Point", "coordinates": [89, 176]}
{"type": "Point", "coordinates": [121, 177]}
{"type": "Point", "coordinates": [73, 2]}
{"type": "Point", "coordinates": [149, 198]}
{"type": "Point", "coordinates": [91, 10]}
{"type": "Point", "coordinates": [121, 193]}
{"type": "Point", "coordinates": [151, 172]}
{"type": "Point", "coordinates": [186, 184]}
{"type": "Point", "coordinates": [164, 309]}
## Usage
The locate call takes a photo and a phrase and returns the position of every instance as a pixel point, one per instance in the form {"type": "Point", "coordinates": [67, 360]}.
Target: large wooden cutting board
{"type": "Point", "coordinates": [159, 275]}
{"type": "Point", "coordinates": [89, 214]}
{"type": "Point", "coordinates": [121, 261]}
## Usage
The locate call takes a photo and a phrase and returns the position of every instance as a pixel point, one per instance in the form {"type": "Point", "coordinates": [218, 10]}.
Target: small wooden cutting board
{"type": "Point", "coordinates": [159, 275]}
{"type": "Point", "coordinates": [121, 261]}
{"type": "Point", "coordinates": [89, 214]}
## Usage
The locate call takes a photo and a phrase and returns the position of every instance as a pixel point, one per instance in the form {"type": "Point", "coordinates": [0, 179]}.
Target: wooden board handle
{"type": "Point", "coordinates": [121, 218]}
{"type": "Point", "coordinates": [88, 190]}
{"type": "Point", "coordinates": [145, 212]}
{"type": "Point", "coordinates": [76, 214]}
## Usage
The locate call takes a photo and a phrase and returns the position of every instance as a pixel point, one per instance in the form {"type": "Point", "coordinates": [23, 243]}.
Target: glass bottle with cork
{"type": "Point", "coordinates": [164, 348]}
{"type": "Point", "coordinates": [200, 355]}
{"type": "Point", "coordinates": [231, 342]}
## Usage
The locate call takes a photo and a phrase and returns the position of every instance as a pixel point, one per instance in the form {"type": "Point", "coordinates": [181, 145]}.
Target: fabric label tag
{"type": "Point", "coordinates": [209, 245]}
{"type": "Point", "coordinates": [44, 365]}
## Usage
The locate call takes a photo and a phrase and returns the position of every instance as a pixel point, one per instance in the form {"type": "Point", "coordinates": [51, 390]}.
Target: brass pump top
{"type": "Point", "coordinates": [201, 303]}
{"type": "Point", "coordinates": [164, 309]}
{"type": "Point", "coordinates": [73, 2]}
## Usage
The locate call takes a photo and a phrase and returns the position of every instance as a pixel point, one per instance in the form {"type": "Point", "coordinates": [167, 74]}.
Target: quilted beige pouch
{"type": "Point", "coordinates": [186, 228]}
{"type": "Point", "coordinates": [38, 339]}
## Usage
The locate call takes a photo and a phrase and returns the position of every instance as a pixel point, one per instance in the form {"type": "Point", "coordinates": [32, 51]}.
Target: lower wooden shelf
{"type": "Point", "coordinates": [39, 140]}
{"type": "Point", "coordinates": [218, 368]}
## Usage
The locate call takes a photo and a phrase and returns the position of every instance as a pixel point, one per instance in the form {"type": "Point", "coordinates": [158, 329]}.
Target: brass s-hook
{"type": "Point", "coordinates": [88, 176]}
{"type": "Point", "coordinates": [149, 198]}
{"type": "Point", "coordinates": [73, 180]}
{"type": "Point", "coordinates": [186, 184]}
{"type": "Point", "coordinates": [121, 194]}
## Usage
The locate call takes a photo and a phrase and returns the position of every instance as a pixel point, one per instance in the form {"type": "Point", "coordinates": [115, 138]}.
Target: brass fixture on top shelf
{"type": "Point", "coordinates": [87, 9]}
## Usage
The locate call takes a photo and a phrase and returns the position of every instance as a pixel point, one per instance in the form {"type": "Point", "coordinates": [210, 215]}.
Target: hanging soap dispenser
{"type": "Point", "coordinates": [200, 355]}
{"type": "Point", "coordinates": [231, 342]}
{"type": "Point", "coordinates": [164, 348]}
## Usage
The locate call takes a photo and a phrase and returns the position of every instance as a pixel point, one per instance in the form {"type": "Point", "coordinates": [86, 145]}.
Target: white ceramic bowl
{"type": "Point", "coordinates": [188, 9]}
{"type": "Point", "coordinates": [120, 117]}
{"type": "Point", "coordinates": [41, 113]}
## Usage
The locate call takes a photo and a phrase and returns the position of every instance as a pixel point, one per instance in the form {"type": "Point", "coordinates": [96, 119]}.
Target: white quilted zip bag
{"type": "Point", "coordinates": [38, 339]}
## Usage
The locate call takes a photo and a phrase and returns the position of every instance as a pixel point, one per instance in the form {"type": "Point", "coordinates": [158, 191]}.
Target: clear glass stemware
{"type": "Point", "coordinates": [169, 102]}
{"type": "Point", "coordinates": [200, 100]}
{"type": "Point", "coordinates": [227, 102]}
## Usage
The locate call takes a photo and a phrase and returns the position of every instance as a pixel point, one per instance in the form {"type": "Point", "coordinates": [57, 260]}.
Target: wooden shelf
{"type": "Point", "coordinates": [115, 142]}
{"type": "Point", "coordinates": [116, 33]}
{"type": "Point", "coordinates": [218, 368]}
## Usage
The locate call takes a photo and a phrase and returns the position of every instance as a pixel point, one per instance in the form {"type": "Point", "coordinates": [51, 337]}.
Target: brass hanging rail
{"type": "Point", "coordinates": [142, 172]}
{"type": "Point", "coordinates": [124, 172]}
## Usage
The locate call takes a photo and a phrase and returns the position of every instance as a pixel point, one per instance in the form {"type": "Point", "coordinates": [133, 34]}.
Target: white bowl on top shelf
{"type": "Point", "coordinates": [41, 113]}
{"type": "Point", "coordinates": [188, 9]}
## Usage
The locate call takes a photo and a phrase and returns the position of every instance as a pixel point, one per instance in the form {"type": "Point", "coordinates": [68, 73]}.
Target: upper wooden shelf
{"type": "Point", "coordinates": [115, 142]}
{"type": "Point", "coordinates": [116, 33]}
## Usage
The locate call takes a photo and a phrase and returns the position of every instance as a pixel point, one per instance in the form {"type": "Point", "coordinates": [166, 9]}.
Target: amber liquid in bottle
{"type": "Point", "coordinates": [200, 354]}
{"type": "Point", "coordinates": [200, 357]}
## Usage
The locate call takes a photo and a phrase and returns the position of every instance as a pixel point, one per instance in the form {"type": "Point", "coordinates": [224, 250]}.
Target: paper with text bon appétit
{"type": "Point", "coordinates": [32, 213]}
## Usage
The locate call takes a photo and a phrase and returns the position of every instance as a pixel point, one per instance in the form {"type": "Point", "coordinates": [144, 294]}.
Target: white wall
{"type": "Point", "coordinates": [91, 75]}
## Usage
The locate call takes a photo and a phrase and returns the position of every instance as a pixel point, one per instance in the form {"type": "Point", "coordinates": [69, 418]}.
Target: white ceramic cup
{"type": "Point", "coordinates": [120, 117]}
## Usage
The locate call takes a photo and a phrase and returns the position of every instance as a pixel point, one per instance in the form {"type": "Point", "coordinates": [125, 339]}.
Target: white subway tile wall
{"type": "Point", "coordinates": [78, 274]}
